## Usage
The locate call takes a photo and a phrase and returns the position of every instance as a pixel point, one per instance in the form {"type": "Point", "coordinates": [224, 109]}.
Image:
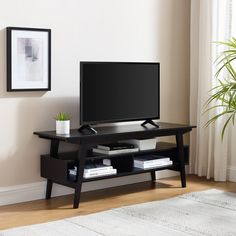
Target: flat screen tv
{"type": "Point", "coordinates": [119, 91]}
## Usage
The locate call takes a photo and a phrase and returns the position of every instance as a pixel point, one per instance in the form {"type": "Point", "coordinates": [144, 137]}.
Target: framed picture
{"type": "Point", "coordinates": [28, 59]}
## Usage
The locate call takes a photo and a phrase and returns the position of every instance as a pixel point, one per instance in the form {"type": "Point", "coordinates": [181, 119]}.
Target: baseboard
{"type": "Point", "coordinates": [36, 191]}
{"type": "Point", "coordinates": [231, 172]}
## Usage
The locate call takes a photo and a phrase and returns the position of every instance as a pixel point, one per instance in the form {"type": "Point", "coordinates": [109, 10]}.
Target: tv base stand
{"type": "Point", "coordinates": [55, 166]}
{"type": "Point", "coordinates": [87, 129]}
{"type": "Point", "coordinates": [151, 122]}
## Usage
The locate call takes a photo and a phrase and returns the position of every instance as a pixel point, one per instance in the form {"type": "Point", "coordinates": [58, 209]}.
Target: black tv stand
{"type": "Point", "coordinates": [55, 165]}
{"type": "Point", "coordinates": [151, 122]}
{"type": "Point", "coordinates": [87, 129]}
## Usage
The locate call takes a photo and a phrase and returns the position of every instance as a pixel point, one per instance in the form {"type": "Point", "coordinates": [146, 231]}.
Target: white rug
{"type": "Point", "coordinates": [211, 212]}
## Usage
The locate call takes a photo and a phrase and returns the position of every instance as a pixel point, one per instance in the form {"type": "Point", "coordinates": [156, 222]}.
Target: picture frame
{"type": "Point", "coordinates": [28, 59]}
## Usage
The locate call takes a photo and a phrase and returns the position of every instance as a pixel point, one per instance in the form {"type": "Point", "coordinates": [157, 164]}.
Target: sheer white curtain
{"type": "Point", "coordinates": [211, 20]}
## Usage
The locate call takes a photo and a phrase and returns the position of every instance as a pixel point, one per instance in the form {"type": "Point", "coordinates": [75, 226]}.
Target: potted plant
{"type": "Point", "coordinates": [223, 95]}
{"type": "Point", "coordinates": [62, 123]}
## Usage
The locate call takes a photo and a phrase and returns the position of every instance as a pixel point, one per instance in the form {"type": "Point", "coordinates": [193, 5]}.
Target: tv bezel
{"type": "Point", "coordinates": [115, 120]}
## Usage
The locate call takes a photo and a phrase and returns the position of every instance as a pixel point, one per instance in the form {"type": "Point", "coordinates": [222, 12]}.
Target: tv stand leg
{"type": "Point", "coordinates": [151, 122]}
{"type": "Point", "coordinates": [81, 157]}
{"type": "Point", "coordinates": [180, 147]}
{"type": "Point", "coordinates": [49, 189]}
{"type": "Point", "coordinates": [53, 153]}
{"type": "Point", "coordinates": [54, 148]}
{"type": "Point", "coordinates": [76, 197]}
{"type": "Point", "coordinates": [153, 176]}
{"type": "Point", "coordinates": [87, 129]}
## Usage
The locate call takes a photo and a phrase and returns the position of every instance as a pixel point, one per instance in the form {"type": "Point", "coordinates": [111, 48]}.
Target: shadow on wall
{"type": "Point", "coordinates": [20, 149]}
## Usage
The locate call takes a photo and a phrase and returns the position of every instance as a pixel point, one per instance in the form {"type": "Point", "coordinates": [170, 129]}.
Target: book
{"type": "Point", "coordinates": [150, 159]}
{"type": "Point", "coordinates": [96, 170]}
{"type": "Point", "coordinates": [122, 151]}
{"type": "Point", "coordinates": [96, 167]}
{"type": "Point", "coordinates": [152, 162]}
{"type": "Point", "coordinates": [99, 174]}
{"type": "Point", "coordinates": [150, 166]}
{"type": "Point", "coordinates": [115, 146]}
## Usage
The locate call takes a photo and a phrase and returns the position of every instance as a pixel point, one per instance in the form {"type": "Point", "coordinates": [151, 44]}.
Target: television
{"type": "Point", "coordinates": [119, 91]}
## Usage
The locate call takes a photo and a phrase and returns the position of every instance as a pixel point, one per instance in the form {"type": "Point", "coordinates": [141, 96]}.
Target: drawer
{"type": "Point", "coordinates": [56, 169]}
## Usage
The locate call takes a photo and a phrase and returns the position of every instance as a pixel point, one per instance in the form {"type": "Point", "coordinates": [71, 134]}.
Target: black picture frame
{"type": "Point", "coordinates": [28, 59]}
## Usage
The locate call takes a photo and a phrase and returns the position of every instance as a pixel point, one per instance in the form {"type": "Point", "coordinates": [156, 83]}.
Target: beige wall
{"type": "Point", "coordinates": [116, 30]}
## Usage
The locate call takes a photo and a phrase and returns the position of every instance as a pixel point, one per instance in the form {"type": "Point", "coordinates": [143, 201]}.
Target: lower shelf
{"type": "Point", "coordinates": [56, 169]}
{"type": "Point", "coordinates": [134, 172]}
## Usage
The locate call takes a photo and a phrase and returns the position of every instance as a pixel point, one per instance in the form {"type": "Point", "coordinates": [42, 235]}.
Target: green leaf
{"type": "Point", "coordinates": [61, 116]}
{"type": "Point", "coordinates": [223, 95]}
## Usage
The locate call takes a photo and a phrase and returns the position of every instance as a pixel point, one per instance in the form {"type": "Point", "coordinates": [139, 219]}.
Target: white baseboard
{"type": "Point", "coordinates": [36, 191]}
{"type": "Point", "coordinates": [231, 172]}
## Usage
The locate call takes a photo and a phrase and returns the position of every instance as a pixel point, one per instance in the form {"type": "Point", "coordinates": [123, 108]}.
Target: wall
{"type": "Point", "coordinates": [110, 30]}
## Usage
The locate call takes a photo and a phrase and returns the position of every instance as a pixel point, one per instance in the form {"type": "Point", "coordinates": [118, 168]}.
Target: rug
{"type": "Point", "coordinates": [211, 212]}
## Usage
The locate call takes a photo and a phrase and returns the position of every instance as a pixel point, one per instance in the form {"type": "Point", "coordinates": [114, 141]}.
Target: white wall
{"type": "Point", "coordinates": [110, 30]}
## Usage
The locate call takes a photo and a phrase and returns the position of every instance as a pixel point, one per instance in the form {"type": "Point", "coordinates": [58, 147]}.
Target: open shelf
{"type": "Point", "coordinates": [163, 148]}
{"type": "Point", "coordinates": [135, 171]}
{"type": "Point", "coordinates": [61, 176]}
{"type": "Point", "coordinates": [56, 169]}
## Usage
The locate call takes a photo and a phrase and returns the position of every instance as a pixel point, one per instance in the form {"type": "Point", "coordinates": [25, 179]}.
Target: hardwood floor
{"type": "Point", "coordinates": [61, 207]}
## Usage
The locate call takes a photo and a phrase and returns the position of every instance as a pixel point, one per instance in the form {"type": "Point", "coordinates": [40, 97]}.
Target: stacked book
{"type": "Point", "coordinates": [115, 148]}
{"type": "Point", "coordinates": [149, 162]}
{"type": "Point", "coordinates": [94, 170]}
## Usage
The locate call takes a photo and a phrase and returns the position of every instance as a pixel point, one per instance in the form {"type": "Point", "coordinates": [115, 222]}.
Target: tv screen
{"type": "Point", "coordinates": [119, 91]}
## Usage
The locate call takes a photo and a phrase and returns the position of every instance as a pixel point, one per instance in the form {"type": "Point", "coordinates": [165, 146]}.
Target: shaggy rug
{"type": "Point", "coordinates": [211, 212]}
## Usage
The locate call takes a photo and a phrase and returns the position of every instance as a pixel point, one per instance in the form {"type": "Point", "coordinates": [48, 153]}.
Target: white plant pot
{"type": "Point", "coordinates": [63, 127]}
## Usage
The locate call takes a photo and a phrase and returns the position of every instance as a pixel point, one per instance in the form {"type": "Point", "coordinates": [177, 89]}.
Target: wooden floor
{"type": "Point", "coordinates": [61, 207]}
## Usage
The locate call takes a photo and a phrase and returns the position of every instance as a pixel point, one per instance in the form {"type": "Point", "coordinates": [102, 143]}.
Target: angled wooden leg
{"type": "Point", "coordinates": [180, 147]}
{"type": "Point", "coordinates": [81, 156]}
{"type": "Point", "coordinates": [54, 148]}
{"type": "Point", "coordinates": [153, 176]}
{"type": "Point", "coordinates": [49, 189]}
{"type": "Point", "coordinates": [53, 153]}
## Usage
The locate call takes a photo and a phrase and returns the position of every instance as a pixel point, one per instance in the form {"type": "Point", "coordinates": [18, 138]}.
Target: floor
{"type": "Point", "coordinates": [61, 207]}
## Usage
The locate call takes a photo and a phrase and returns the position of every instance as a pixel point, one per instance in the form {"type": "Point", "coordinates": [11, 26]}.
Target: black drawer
{"type": "Point", "coordinates": [56, 169]}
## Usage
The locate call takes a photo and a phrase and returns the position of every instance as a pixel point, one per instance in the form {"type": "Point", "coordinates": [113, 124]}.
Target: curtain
{"type": "Point", "coordinates": [211, 20]}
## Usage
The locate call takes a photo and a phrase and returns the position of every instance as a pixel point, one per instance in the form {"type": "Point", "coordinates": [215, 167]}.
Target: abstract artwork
{"type": "Point", "coordinates": [28, 59]}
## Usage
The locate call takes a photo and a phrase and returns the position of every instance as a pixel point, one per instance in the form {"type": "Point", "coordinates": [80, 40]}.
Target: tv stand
{"type": "Point", "coordinates": [87, 129]}
{"type": "Point", "coordinates": [151, 122]}
{"type": "Point", "coordinates": [55, 165]}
